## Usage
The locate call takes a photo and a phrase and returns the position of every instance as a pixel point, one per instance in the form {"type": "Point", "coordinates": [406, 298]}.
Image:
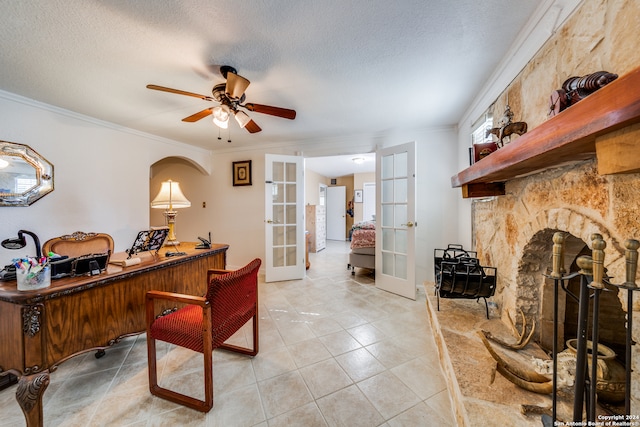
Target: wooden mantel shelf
{"type": "Point", "coordinates": [566, 137]}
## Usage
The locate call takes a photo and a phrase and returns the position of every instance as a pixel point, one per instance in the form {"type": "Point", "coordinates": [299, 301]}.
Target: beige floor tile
{"type": "Point", "coordinates": [284, 393]}
{"type": "Point", "coordinates": [423, 379]}
{"type": "Point", "coordinates": [271, 363]}
{"type": "Point", "coordinates": [389, 353]}
{"type": "Point", "coordinates": [306, 416]}
{"type": "Point", "coordinates": [339, 342]}
{"type": "Point", "coordinates": [239, 407]}
{"type": "Point", "coordinates": [359, 364]}
{"type": "Point", "coordinates": [308, 352]}
{"type": "Point", "coordinates": [367, 334]}
{"type": "Point", "coordinates": [419, 415]}
{"type": "Point", "coordinates": [325, 377]}
{"type": "Point", "coordinates": [388, 394]}
{"type": "Point", "coordinates": [349, 407]}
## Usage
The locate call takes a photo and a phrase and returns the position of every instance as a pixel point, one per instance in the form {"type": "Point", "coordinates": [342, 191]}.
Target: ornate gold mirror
{"type": "Point", "coordinates": [25, 176]}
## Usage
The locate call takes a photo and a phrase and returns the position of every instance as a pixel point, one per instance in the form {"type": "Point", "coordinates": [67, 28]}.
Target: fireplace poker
{"type": "Point", "coordinates": [581, 387]}
{"type": "Point", "coordinates": [556, 274]}
{"type": "Point", "coordinates": [631, 267]}
{"type": "Point", "coordinates": [598, 245]}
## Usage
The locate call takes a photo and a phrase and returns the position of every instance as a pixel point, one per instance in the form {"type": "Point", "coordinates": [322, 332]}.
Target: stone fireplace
{"type": "Point", "coordinates": [535, 293]}
{"type": "Point", "coordinates": [514, 233]}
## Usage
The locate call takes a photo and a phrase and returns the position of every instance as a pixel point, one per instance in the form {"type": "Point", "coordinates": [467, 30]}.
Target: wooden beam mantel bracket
{"type": "Point", "coordinates": [483, 189]}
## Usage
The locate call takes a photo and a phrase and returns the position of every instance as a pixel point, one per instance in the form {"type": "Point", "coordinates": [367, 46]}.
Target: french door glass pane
{"type": "Point", "coordinates": [387, 239]}
{"type": "Point", "coordinates": [400, 165]}
{"type": "Point", "coordinates": [387, 167]}
{"type": "Point", "coordinates": [278, 193]}
{"type": "Point", "coordinates": [401, 266]}
{"type": "Point", "coordinates": [387, 191]}
{"type": "Point", "coordinates": [387, 263]}
{"type": "Point", "coordinates": [400, 195]}
{"type": "Point", "coordinates": [387, 215]}
{"type": "Point", "coordinates": [291, 255]}
{"type": "Point", "coordinates": [278, 214]}
{"type": "Point", "coordinates": [400, 215]}
{"type": "Point", "coordinates": [278, 171]}
{"type": "Point", "coordinates": [400, 241]}
{"type": "Point", "coordinates": [291, 235]}
{"type": "Point", "coordinates": [278, 256]}
{"type": "Point", "coordinates": [278, 235]}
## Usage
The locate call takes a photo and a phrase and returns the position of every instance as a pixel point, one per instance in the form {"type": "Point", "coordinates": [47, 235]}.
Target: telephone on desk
{"type": "Point", "coordinates": [204, 243]}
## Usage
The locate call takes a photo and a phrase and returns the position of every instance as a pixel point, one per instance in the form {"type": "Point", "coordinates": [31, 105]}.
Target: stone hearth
{"type": "Point", "coordinates": [480, 395]}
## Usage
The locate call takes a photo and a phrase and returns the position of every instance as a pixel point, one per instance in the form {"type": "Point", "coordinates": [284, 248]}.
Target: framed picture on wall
{"type": "Point", "coordinates": [242, 173]}
{"type": "Point", "coordinates": [357, 196]}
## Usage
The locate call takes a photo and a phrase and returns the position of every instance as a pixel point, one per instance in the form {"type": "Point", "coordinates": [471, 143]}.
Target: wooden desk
{"type": "Point", "coordinates": [42, 328]}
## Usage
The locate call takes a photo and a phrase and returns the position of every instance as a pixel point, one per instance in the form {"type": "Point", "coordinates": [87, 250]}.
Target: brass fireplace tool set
{"type": "Point", "coordinates": [592, 281]}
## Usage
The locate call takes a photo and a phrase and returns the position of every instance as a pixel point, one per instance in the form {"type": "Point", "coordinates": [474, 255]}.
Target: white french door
{"type": "Point", "coordinates": [396, 220]}
{"type": "Point", "coordinates": [284, 222]}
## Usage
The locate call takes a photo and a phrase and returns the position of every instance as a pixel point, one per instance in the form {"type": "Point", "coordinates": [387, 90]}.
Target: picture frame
{"type": "Point", "coordinates": [241, 173]}
{"type": "Point", "coordinates": [357, 196]}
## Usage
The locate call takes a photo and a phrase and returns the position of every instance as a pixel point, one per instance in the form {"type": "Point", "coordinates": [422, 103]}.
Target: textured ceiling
{"type": "Point", "coordinates": [349, 68]}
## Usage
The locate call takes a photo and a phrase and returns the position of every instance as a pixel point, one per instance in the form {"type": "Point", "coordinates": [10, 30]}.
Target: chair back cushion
{"type": "Point", "coordinates": [233, 299]}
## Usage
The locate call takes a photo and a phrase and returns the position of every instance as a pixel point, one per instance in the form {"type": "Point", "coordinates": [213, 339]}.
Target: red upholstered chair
{"type": "Point", "coordinates": [204, 325]}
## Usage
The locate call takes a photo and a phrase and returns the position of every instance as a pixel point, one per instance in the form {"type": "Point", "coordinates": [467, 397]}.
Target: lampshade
{"type": "Point", "coordinates": [170, 197]}
{"type": "Point", "coordinates": [242, 118]}
{"type": "Point", "coordinates": [4, 163]}
{"type": "Point", "coordinates": [221, 116]}
{"type": "Point", "coordinates": [236, 85]}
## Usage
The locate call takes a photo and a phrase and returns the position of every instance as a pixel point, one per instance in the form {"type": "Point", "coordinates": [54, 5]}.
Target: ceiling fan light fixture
{"type": "Point", "coordinates": [242, 118]}
{"type": "Point", "coordinates": [221, 116]}
{"type": "Point", "coordinates": [236, 85]}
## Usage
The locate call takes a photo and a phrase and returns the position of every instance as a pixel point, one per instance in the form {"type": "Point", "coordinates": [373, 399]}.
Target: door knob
{"type": "Point", "coordinates": [409, 224]}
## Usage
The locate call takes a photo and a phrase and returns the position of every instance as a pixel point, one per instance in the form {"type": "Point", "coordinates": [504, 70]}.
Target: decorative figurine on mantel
{"type": "Point", "coordinates": [507, 128]}
{"type": "Point", "coordinates": [575, 89]}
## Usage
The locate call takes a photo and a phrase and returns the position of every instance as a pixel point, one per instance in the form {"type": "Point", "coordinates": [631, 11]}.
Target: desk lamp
{"type": "Point", "coordinates": [170, 198]}
{"type": "Point", "coordinates": [20, 242]}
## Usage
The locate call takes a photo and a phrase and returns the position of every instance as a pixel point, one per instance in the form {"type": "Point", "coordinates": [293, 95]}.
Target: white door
{"type": "Point", "coordinates": [368, 201]}
{"type": "Point", "coordinates": [284, 222]}
{"type": "Point", "coordinates": [337, 213]}
{"type": "Point", "coordinates": [396, 220]}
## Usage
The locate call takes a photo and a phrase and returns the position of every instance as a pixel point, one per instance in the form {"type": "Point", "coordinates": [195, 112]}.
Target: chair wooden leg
{"type": "Point", "coordinates": [182, 399]}
{"type": "Point", "coordinates": [244, 350]}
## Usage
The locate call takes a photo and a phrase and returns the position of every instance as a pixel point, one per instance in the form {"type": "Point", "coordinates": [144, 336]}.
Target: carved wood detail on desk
{"type": "Point", "coordinates": [41, 329]}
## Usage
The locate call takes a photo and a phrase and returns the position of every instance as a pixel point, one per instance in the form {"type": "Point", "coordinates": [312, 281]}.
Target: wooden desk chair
{"type": "Point", "coordinates": [78, 244]}
{"type": "Point", "coordinates": [204, 325]}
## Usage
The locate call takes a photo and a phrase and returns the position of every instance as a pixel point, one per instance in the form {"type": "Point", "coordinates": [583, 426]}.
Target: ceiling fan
{"type": "Point", "coordinates": [231, 97]}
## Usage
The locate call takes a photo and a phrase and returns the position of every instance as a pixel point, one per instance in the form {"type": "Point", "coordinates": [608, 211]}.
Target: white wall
{"type": "Point", "coordinates": [102, 183]}
{"type": "Point", "coordinates": [101, 174]}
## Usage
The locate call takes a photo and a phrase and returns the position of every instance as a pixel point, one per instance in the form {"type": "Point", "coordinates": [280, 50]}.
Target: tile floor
{"type": "Point", "coordinates": [334, 351]}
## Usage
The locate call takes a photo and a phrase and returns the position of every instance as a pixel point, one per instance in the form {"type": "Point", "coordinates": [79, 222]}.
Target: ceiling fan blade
{"type": "Point", "coordinates": [274, 111]}
{"type": "Point", "coordinates": [252, 127]}
{"type": "Point", "coordinates": [179, 92]}
{"type": "Point", "coordinates": [199, 115]}
{"type": "Point", "coordinates": [236, 85]}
